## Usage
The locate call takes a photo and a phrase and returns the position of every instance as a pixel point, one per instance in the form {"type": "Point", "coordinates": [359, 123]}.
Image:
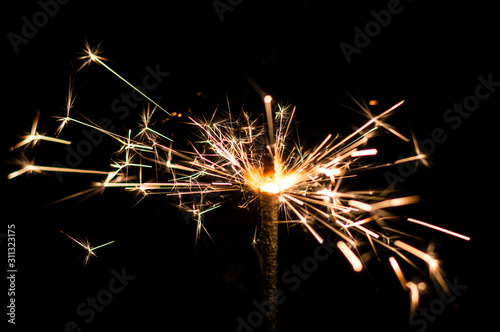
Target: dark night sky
{"type": "Point", "coordinates": [430, 55]}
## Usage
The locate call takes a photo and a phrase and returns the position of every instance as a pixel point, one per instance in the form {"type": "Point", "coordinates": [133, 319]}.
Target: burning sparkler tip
{"type": "Point", "coordinates": [270, 188]}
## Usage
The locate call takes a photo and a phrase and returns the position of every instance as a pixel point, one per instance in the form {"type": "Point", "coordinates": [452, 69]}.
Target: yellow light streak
{"type": "Point", "coordinates": [360, 205]}
{"type": "Point", "coordinates": [399, 273]}
{"type": "Point", "coordinates": [298, 201]}
{"type": "Point", "coordinates": [420, 254]}
{"type": "Point", "coordinates": [395, 202]}
{"type": "Point", "coordinates": [351, 257]}
{"type": "Point", "coordinates": [444, 230]}
{"type": "Point", "coordinates": [404, 160]}
{"type": "Point", "coordinates": [384, 204]}
{"type": "Point", "coordinates": [269, 116]}
{"type": "Point", "coordinates": [361, 153]}
{"type": "Point", "coordinates": [39, 169]}
{"type": "Point", "coordinates": [91, 56]}
{"type": "Point", "coordinates": [303, 220]}
{"type": "Point", "coordinates": [414, 296]}
{"type": "Point", "coordinates": [356, 225]}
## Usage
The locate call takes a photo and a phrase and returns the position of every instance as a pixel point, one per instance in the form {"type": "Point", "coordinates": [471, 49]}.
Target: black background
{"type": "Point", "coordinates": [430, 55]}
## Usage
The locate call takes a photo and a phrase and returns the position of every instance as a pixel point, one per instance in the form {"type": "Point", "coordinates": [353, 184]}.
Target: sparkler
{"type": "Point", "coordinates": [233, 155]}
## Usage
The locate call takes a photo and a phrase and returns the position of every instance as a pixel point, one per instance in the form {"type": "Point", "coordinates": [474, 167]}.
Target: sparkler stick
{"type": "Point", "coordinates": [269, 251]}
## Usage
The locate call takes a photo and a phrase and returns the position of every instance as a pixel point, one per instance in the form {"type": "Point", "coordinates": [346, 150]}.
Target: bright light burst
{"type": "Point", "coordinates": [229, 158]}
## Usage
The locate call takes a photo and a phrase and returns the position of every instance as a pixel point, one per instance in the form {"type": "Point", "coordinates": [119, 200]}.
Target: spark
{"type": "Point", "coordinates": [405, 160]}
{"type": "Point", "coordinates": [368, 123]}
{"type": "Point", "coordinates": [85, 244]}
{"type": "Point", "coordinates": [34, 136]}
{"type": "Point", "coordinates": [395, 202]}
{"type": "Point", "coordinates": [420, 254]}
{"type": "Point", "coordinates": [70, 99]}
{"type": "Point", "coordinates": [414, 296]}
{"type": "Point", "coordinates": [91, 55]}
{"type": "Point", "coordinates": [418, 153]}
{"type": "Point", "coordinates": [351, 257]}
{"type": "Point", "coordinates": [361, 153]}
{"type": "Point", "coordinates": [38, 169]}
{"type": "Point", "coordinates": [269, 116]}
{"type": "Point", "coordinates": [399, 273]}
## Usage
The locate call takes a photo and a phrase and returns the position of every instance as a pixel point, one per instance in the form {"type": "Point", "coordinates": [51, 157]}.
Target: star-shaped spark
{"type": "Point", "coordinates": [86, 245]}
{"type": "Point", "coordinates": [34, 137]}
